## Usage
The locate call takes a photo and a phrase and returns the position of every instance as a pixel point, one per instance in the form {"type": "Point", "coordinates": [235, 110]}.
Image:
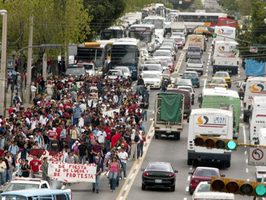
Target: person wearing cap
{"type": "Point", "coordinates": [123, 156]}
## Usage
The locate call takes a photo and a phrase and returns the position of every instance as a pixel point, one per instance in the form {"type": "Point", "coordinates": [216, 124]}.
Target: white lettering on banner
{"type": "Point", "coordinates": [72, 173]}
{"type": "Point", "coordinates": [110, 113]}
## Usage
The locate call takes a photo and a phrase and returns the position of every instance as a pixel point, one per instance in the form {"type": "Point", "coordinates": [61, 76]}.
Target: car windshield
{"type": "Point", "coordinates": [21, 186]}
{"type": "Point", "coordinates": [113, 73]}
{"type": "Point", "coordinates": [218, 81]}
{"type": "Point", "coordinates": [88, 67]}
{"type": "Point", "coordinates": [152, 68]}
{"type": "Point", "coordinates": [204, 188]}
{"type": "Point", "coordinates": [161, 53]}
{"type": "Point", "coordinates": [75, 71]}
{"type": "Point", "coordinates": [221, 74]}
{"type": "Point", "coordinates": [189, 75]}
{"type": "Point", "coordinates": [12, 197]}
{"type": "Point", "coordinates": [157, 76]}
{"type": "Point", "coordinates": [194, 60]}
{"type": "Point", "coordinates": [206, 172]}
{"type": "Point", "coordinates": [185, 88]}
{"type": "Point", "coordinates": [158, 167]}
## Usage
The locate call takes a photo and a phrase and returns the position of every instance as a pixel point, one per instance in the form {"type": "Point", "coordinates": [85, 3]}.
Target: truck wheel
{"type": "Point", "coordinates": [177, 136]}
{"type": "Point", "coordinates": [227, 164]}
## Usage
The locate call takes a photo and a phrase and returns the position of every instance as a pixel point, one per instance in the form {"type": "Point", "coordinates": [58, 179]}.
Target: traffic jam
{"type": "Point", "coordinates": [202, 105]}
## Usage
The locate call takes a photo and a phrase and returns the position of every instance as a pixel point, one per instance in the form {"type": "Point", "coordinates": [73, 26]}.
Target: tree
{"type": "Point", "coordinates": [104, 13]}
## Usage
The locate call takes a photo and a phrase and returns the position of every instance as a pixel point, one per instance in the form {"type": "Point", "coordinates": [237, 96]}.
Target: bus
{"type": "Point", "coordinates": [158, 22]}
{"type": "Point", "coordinates": [125, 52]}
{"type": "Point", "coordinates": [145, 33]}
{"type": "Point", "coordinates": [113, 32]}
{"type": "Point", "coordinates": [98, 52]}
{"type": "Point", "coordinates": [208, 18]}
{"type": "Point", "coordinates": [223, 98]}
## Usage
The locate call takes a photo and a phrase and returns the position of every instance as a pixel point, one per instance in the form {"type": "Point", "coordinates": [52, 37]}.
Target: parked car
{"type": "Point", "coordinates": [125, 70]}
{"type": "Point", "coordinates": [114, 74]}
{"type": "Point", "coordinates": [195, 64]}
{"type": "Point", "coordinates": [202, 174]}
{"type": "Point", "coordinates": [225, 75]}
{"type": "Point", "coordinates": [193, 76]}
{"type": "Point", "coordinates": [76, 72]}
{"type": "Point", "coordinates": [159, 174]}
{"type": "Point", "coordinates": [25, 183]}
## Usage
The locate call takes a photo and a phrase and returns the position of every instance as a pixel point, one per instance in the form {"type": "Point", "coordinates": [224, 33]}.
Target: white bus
{"type": "Point", "coordinates": [113, 32]}
{"type": "Point", "coordinates": [145, 33]}
{"type": "Point", "coordinates": [125, 52]}
{"type": "Point", "coordinates": [158, 22]}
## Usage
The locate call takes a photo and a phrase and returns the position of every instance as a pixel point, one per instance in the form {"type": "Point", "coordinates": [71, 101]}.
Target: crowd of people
{"type": "Point", "coordinates": [93, 120]}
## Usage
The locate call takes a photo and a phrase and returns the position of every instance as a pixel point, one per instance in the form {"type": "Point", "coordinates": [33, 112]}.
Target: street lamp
{"type": "Point", "coordinates": [3, 63]}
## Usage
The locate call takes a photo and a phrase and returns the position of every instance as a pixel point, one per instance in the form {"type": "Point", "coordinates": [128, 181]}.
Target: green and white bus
{"type": "Point", "coordinates": [223, 98]}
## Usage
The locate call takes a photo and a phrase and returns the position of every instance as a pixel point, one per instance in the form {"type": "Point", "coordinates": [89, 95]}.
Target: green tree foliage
{"type": "Point", "coordinates": [103, 13]}
{"type": "Point", "coordinates": [55, 22]}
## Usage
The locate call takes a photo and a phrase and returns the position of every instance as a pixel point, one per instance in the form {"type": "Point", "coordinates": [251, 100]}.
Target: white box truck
{"type": "Point", "coordinates": [256, 117]}
{"type": "Point", "coordinates": [213, 123]}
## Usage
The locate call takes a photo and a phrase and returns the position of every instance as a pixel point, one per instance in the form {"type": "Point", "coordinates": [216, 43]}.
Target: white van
{"type": "Point", "coordinates": [203, 192]}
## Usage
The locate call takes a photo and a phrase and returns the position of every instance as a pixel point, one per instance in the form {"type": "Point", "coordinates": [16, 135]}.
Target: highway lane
{"type": "Point", "coordinates": [175, 152]}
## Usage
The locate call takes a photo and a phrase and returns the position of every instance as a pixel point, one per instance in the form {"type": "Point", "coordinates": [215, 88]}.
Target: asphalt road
{"type": "Point", "coordinates": [170, 151]}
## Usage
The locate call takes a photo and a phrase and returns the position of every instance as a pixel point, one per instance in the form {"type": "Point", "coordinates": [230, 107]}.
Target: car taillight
{"type": "Point", "coordinates": [194, 181]}
{"type": "Point", "coordinates": [145, 174]}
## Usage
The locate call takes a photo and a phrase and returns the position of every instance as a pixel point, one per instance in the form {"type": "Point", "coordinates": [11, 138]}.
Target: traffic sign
{"type": "Point", "coordinates": [257, 156]}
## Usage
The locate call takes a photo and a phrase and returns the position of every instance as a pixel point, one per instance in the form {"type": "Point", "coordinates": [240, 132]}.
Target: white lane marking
{"type": "Point", "coordinates": [123, 193]}
{"type": "Point", "coordinates": [244, 134]}
{"type": "Point", "coordinates": [188, 178]}
{"type": "Point", "coordinates": [204, 83]}
{"type": "Point", "coordinates": [246, 152]}
{"type": "Point", "coordinates": [191, 168]}
{"type": "Point", "coordinates": [185, 198]}
{"type": "Point", "coordinates": [248, 179]}
{"type": "Point", "coordinates": [246, 170]}
{"type": "Point", "coordinates": [187, 189]}
{"type": "Point", "coordinates": [246, 161]}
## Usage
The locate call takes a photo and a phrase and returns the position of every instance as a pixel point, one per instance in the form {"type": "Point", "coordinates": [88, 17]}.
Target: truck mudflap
{"type": "Point", "coordinates": [222, 160]}
{"type": "Point", "coordinates": [167, 132]}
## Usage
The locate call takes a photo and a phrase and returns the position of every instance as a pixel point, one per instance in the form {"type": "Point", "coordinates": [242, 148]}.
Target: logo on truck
{"type": "Point", "coordinates": [218, 122]}
{"type": "Point", "coordinates": [257, 88]}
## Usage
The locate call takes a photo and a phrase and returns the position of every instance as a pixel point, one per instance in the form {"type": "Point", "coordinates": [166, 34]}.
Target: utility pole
{"type": "Point", "coordinates": [29, 62]}
{"type": "Point", "coordinates": [44, 66]}
{"type": "Point", "coordinates": [3, 64]}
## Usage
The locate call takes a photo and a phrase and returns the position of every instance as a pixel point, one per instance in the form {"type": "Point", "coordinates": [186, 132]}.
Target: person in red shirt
{"type": "Point", "coordinates": [114, 139]}
{"type": "Point", "coordinates": [35, 164]}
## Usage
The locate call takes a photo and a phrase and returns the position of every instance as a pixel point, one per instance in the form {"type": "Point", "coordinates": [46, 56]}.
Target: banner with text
{"type": "Point", "coordinates": [72, 173]}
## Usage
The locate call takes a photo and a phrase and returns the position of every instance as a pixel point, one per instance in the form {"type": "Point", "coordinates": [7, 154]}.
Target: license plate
{"type": "Point", "coordinates": [158, 181]}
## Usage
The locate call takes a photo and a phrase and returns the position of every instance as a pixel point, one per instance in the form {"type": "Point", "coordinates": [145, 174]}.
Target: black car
{"type": "Point", "coordinates": [159, 174]}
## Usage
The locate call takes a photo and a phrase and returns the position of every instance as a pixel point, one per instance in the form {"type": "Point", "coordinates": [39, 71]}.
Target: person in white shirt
{"type": "Point", "coordinates": [123, 156]}
{"type": "Point", "coordinates": [101, 136]}
{"type": "Point", "coordinates": [33, 90]}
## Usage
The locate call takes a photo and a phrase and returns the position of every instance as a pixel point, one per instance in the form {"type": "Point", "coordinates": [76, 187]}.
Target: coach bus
{"type": "Point", "coordinates": [113, 32]}
{"type": "Point", "coordinates": [125, 52]}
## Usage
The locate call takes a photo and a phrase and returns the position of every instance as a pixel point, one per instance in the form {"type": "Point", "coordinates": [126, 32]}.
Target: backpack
{"type": "Point", "coordinates": [136, 139]}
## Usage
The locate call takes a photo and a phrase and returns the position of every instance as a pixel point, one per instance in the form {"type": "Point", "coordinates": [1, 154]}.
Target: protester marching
{"type": "Point", "coordinates": [89, 126]}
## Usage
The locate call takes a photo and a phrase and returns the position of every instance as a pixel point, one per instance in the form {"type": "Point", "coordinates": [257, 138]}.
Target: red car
{"type": "Point", "coordinates": [202, 174]}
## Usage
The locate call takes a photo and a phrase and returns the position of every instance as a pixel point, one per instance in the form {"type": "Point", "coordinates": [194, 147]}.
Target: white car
{"type": "Point", "coordinates": [125, 70]}
{"type": "Point", "coordinates": [152, 67]}
{"type": "Point", "coordinates": [152, 79]}
{"type": "Point", "coordinates": [164, 56]}
{"type": "Point", "coordinates": [25, 184]}
{"type": "Point", "coordinates": [195, 64]}
{"type": "Point", "coordinates": [203, 192]}
{"type": "Point", "coordinates": [89, 68]}
{"type": "Point", "coordinates": [114, 74]}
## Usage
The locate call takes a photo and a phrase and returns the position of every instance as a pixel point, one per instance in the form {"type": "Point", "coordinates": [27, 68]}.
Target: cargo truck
{"type": "Point", "coordinates": [169, 109]}
{"type": "Point", "coordinates": [210, 122]}
{"type": "Point", "coordinates": [223, 98]}
{"type": "Point", "coordinates": [195, 46]}
{"type": "Point", "coordinates": [256, 117]}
